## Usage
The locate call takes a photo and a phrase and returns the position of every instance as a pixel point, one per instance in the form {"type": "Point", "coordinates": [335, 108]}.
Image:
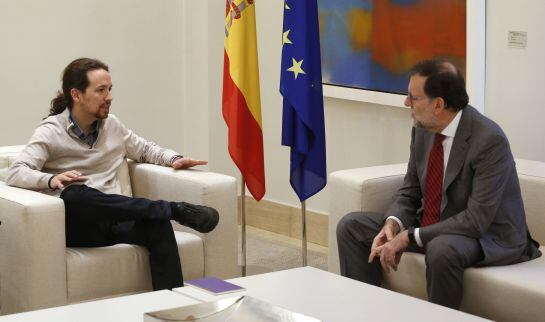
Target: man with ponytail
{"type": "Point", "coordinates": [76, 153]}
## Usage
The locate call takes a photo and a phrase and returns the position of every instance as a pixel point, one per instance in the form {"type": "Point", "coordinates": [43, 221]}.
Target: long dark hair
{"type": "Point", "coordinates": [74, 76]}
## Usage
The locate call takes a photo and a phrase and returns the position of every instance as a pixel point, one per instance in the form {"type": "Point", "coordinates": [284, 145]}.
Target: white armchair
{"type": "Point", "coordinates": [504, 293]}
{"type": "Point", "coordinates": [38, 271]}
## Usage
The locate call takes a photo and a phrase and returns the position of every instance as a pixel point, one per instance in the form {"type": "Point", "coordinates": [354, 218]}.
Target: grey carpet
{"type": "Point", "coordinates": [265, 255]}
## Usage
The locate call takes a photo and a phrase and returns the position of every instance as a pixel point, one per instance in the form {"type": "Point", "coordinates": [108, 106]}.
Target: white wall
{"type": "Point", "coordinates": [515, 78]}
{"type": "Point", "coordinates": [140, 40]}
{"type": "Point", "coordinates": [167, 60]}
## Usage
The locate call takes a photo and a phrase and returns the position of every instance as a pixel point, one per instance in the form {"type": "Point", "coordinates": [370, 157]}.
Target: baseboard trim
{"type": "Point", "coordinates": [285, 220]}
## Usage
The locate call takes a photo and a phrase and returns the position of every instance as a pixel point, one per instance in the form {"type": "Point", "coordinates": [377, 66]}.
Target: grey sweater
{"type": "Point", "coordinates": [54, 149]}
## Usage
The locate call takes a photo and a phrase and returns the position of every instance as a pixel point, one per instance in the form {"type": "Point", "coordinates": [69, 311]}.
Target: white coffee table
{"type": "Point", "coordinates": [330, 297]}
{"type": "Point", "coordinates": [310, 291]}
{"type": "Point", "coordinates": [126, 308]}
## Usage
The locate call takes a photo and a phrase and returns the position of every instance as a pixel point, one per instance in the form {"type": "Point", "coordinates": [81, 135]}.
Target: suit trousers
{"type": "Point", "coordinates": [96, 219]}
{"type": "Point", "coordinates": [446, 257]}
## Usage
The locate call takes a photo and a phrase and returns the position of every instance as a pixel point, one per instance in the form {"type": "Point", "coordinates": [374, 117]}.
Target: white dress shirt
{"type": "Point", "coordinates": [449, 133]}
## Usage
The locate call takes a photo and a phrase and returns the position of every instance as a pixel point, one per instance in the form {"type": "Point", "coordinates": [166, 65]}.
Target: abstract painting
{"type": "Point", "coordinates": [372, 44]}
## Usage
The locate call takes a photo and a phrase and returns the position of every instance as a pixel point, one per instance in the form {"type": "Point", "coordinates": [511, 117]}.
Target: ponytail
{"type": "Point", "coordinates": [58, 104]}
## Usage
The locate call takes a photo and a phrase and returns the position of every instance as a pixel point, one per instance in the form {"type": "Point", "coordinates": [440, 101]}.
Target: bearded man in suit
{"type": "Point", "coordinates": [460, 202]}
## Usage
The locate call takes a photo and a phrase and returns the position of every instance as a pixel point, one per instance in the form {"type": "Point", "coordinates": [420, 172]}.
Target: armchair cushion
{"type": "Point", "coordinates": [121, 269]}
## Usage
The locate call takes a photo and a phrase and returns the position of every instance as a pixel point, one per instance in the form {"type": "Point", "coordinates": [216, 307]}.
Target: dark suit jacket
{"type": "Point", "coordinates": [481, 191]}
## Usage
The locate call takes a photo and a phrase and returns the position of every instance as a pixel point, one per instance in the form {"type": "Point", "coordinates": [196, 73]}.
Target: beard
{"type": "Point", "coordinates": [103, 112]}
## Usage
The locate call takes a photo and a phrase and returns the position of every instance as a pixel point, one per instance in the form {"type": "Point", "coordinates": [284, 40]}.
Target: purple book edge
{"type": "Point", "coordinates": [214, 285]}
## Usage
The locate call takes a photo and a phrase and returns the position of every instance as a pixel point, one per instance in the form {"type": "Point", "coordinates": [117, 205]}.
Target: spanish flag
{"type": "Point", "coordinates": [241, 100]}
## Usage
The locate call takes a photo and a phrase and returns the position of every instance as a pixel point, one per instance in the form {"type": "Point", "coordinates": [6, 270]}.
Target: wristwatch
{"type": "Point", "coordinates": [410, 232]}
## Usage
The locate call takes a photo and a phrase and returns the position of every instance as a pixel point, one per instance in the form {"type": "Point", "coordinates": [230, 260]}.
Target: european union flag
{"type": "Point", "coordinates": [301, 86]}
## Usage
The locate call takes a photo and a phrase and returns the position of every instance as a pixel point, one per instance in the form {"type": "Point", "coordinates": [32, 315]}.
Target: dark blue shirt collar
{"type": "Point", "coordinates": [88, 139]}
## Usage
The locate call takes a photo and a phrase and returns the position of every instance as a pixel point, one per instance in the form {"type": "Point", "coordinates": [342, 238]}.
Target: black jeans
{"type": "Point", "coordinates": [96, 219]}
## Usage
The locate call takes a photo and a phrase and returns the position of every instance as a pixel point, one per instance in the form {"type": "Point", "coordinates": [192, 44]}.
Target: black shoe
{"type": "Point", "coordinates": [201, 218]}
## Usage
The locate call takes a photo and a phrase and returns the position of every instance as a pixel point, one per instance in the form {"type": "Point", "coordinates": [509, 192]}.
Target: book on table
{"type": "Point", "coordinates": [214, 285]}
{"type": "Point", "coordinates": [233, 309]}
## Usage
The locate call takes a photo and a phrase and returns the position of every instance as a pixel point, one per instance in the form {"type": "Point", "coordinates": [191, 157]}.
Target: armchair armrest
{"type": "Point", "coordinates": [363, 189]}
{"type": "Point", "coordinates": [32, 250]}
{"type": "Point", "coordinates": [197, 187]}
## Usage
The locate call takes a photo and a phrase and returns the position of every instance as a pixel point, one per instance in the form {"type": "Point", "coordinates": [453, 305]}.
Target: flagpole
{"type": "Point", "coordinates": [241, 104]}
{"type": "Point", "coordinates": [243, 223]}
{"type": "Point", "coordinates": [303, 126]}
{"type": "Point", "coordinates": [304, 232]}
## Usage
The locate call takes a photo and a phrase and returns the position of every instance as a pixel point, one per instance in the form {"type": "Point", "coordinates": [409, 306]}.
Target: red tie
{"type": "Point", "coordinates": [434, 182]}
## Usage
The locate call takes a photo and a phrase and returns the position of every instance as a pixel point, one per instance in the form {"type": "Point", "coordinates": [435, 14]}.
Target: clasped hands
{"type": "Point", "coordinates": [389, 245]}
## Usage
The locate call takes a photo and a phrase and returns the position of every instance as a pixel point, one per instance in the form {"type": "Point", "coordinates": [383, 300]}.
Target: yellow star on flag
{"type": "Point", "coordinates": [286, 6]}
{"type": "Point", "coordinates": [296, 68]}
{"type": "Point", "coordinates": [285, 39]}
